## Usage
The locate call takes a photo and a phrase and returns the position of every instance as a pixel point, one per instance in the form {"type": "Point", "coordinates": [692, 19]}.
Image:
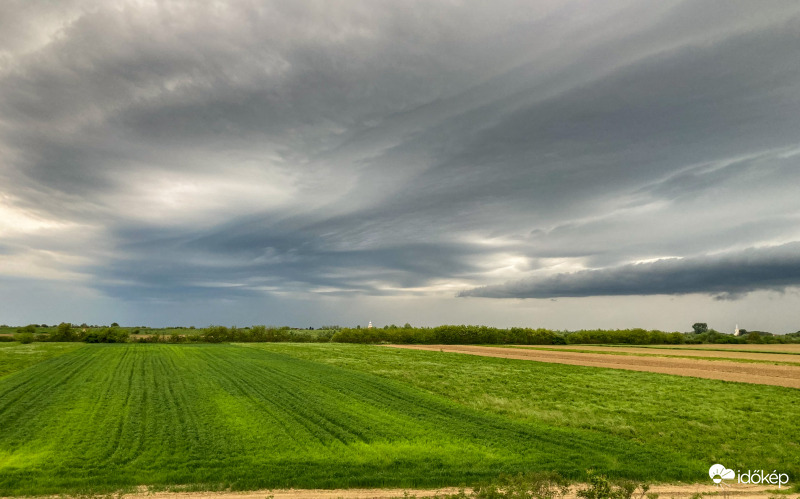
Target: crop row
{"type": "Point", "coordinates": [106, 417]}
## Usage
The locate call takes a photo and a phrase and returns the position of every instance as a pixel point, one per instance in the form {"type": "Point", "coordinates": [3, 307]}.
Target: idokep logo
{"type": "Point", "coordinates": [759, 477]}
{"type": "Point", "coordinates": [718, 473]}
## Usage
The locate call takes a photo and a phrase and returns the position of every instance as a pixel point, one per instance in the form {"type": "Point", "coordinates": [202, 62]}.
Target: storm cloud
{"type": "Point", "coordinates": [727, 275]}
{"type": "Point", "coordinates": [291, 152]}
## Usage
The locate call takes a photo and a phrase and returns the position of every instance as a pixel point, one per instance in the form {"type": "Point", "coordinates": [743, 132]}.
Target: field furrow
{"type": "Point", "coordinates": [106, 417]}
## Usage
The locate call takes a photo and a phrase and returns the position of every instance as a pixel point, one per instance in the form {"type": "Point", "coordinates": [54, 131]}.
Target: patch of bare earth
{"type": "Point", "coordinates": [753, 347]}
{"type": "Point", "coordinates": [763, 374]}
{"type": "Point", "coordinates": [769, 357]}
{"type": "Point", "coordinates": [681, 491]}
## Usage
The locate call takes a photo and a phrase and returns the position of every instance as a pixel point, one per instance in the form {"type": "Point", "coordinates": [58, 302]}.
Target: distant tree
{"type": "Point", "coordinates": [407, 326]}
{"type": "Point", "coordinates": [114, 324]}
{"type": "Point", "coordinates": [30, 328]}
{"type": "Point", "coordinates": [63, 333]}
{"type": "Point", "coordinates": [106, 335]}
{"type": "Point", "coordinates": [700, 327]}
{"type": "Point", "coordinates": [754, 337]}
{"type": "Point", "coordinates": [24, 337]}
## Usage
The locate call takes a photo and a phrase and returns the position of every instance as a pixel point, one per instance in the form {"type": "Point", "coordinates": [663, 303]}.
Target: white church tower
{"type": "Point", "coordinates": [736, 331]}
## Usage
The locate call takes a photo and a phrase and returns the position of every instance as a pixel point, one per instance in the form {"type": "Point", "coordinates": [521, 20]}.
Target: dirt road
{"type": "Point", "coordinates": [681, 491]}
{"type": "Point", "coordinates": [764, 374]}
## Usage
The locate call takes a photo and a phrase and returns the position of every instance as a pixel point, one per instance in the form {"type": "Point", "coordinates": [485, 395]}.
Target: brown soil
{"type": "Point", "coordinates": [681, 491]}
{"type": "Point", "coordinates": [769, 348]}
{"type": "Point", "coordinates": [770, 357]}
{"type": "Point", "coordinates": [763, 374]}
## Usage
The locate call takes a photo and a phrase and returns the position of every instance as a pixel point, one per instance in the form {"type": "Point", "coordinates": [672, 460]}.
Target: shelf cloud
{"type": "Point", "coordinates": [725, 276]}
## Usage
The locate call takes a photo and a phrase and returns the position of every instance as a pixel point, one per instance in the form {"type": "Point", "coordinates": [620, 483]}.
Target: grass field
{"type": "Point", "coordinates": [97, 418]}
{"type": "Point", "coordinates": [104, 417]}
{"type": "Point", "coordinates": [15, 357]}
{"type": "Point", "coordinates": [748, 426]}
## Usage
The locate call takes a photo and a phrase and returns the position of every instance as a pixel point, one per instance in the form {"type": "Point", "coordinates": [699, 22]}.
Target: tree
{"type": "Point", "coordinates": [30, 328]}
{"type": "Point", "coordinates": [24, 337]}
{"type": "Point", "coordinates": [63, 333]}
{"type": "Point", "coordinates": [114, 324]}
{"type": "Point", "coordinates": [700, 327]}
{"type": "Point", "coordinates": [754, 337]}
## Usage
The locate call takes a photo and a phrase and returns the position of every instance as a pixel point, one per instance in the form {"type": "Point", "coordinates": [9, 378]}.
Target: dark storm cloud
{"type": "Point", "coordinates": [179, 151]}
{"type": "Point", "coordinates": [252, 257]}
{"type": "Point", "coordinates": [725, 276]}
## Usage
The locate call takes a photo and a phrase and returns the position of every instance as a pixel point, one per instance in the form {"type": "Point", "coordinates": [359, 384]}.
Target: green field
{"type": "Point", "coordinates": [97, 418]}
{"type": "Point", "coordinates": [15, 357]}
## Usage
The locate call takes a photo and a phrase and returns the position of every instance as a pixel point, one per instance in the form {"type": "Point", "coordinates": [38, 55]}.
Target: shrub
{"type": "Point", "coordinates": [106, 335]}
{"type": "Point", "coordinates": [215, 334]}
{"type": "Point", "coordinates": [63, 332]}
{"type": "Point", "coordinates": [601, 488]}
{"type": "Point", "coordinates": [24, 338]}
{"type": "Point", "coordinates": [30, 328]}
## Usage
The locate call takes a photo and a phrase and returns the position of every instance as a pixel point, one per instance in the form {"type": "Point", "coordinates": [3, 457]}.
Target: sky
{"type": "Point", "coordinates": [561, 164]}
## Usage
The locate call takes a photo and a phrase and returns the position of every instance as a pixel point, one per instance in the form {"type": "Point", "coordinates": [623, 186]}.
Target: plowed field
{"type": "Point", "coordinates": [763, 374]}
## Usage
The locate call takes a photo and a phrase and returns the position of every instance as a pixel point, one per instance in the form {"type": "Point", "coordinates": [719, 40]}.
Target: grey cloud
{"type": "Point", "coordinates": [253, 258]}
{"type": "Point", "coordinates": [378, 148]}
{"type": "Point", "coordinates": [726, 276]}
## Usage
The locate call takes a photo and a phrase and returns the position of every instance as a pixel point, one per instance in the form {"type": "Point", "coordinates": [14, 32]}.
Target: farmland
{"type": "Point", "coordinates": [97, 418]}
{"type": "Point", "coordinates": [15, 357]}
{"type": "Point", "coordinates": [105, 417]}
{"type": "Point", "coordinates": [743, 370]}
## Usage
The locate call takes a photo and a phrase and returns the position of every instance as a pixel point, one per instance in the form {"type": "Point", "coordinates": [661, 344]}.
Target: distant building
{"type": "Point", "coordinates": [369, 326]}
{"type": "Point", "coordinates": [737, 332]}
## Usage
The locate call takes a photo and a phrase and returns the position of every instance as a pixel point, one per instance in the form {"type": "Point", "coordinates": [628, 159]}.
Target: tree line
{"type": "Point", "coordinates": [446, 334]}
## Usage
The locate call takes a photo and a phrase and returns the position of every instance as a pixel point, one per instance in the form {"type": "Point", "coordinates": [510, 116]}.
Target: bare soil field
{"type": "Point", "coordinates": [755, 355]}
{"type": "Point", "coordinates": [792, 348]}
{"type": "Point", "coordinates": [680, 491]}
{"type": "Point", "coordinates": [764, 374]}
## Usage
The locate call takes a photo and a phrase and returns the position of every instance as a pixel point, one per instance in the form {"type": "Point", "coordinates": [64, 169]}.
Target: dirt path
{"type": "Point", "coordinates": [681, 491]}
{"type": "Point", "coordinates": [769, 357]}
{"type": "Point", "coordinates": [763, 374]}
{"type": "Point", "coordinates": [767, 348]}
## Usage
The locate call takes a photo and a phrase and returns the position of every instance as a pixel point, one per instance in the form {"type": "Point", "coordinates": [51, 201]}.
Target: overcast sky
{"type": "Point", "coordinates": [563, 164]}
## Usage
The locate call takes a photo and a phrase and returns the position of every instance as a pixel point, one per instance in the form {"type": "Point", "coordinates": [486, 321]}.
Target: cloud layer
{"type": "Point", "coordinates": [727, 275]}
{"type": "Point", "coordinates": [181, 152]}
